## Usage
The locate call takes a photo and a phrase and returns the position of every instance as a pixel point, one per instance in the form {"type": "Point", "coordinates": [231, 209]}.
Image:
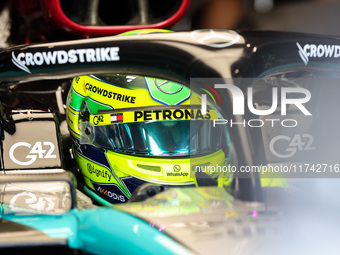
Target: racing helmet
{"type": "Point", "coordinates": [131, 130]}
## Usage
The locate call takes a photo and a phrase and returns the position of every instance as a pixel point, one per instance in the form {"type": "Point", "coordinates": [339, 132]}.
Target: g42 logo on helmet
{"type": "Point", "coordinates": [98, 119]}
{"type": "Point", "coordinates": [37, 151]}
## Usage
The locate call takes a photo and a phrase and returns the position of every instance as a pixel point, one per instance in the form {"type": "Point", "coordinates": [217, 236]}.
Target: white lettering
{"type": "Point", "coordinates": [318, 51]}
{"type": "Point", "coordinates": [337, 51]}
{"type": "Point", "coordinates": [296, 101]}
{"type": "Point", "coordinates": [38, 59]}
{"type": "Point", "coordinates": [262, 112]}
{"type": "Point", "coordinates": [63, 57]}
{"type": "Point", "coordinates": [114, 54]}
{"type": "Point", "coordinates": [29, 59]}
{"type": "Point", "coordinates": [239, 100]}
{"type": "Point", "coordinates": [98, 54]}
{"type": "Point", "coordinates": [72, 58]}
{"type": "Point", "coordinates": [105, 54]}
{"type": "Point", "coordinates": [238, 97]}
{"type": "Point", "coordinates": [306, 49]}
{"type": "Point", "coordinates": [261, 123]}
{"type": "Point", "coordinates": [50, 57]}
{"type": "Point", "coordinates": [21, 58]}
{"type": "Point", "coordinates": [90, 55]}
{"type": "Point", "coordinates": [312, 50]}
{"type": "Point", "coordinates": [37, 151]}
{"type": "Point", "coordinates": [81, 53]}
{"type": "Point", "coordinates": [299, 142]}
{"type": "Point", "coordinates": [329, 49]}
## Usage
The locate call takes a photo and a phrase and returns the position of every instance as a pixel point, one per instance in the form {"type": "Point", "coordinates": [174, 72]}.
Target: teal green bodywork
{"type": "Point", "coordinates": [102, 230]}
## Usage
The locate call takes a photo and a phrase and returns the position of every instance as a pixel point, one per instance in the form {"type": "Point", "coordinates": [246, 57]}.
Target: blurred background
{"type": "Point", "coordinates": [309, 16]}
{"type": "Point", "coordinates": [26, 21]}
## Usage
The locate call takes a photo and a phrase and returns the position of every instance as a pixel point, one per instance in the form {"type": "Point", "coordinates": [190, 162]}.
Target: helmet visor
{"type": "Point", "coordinates": [157, 138]}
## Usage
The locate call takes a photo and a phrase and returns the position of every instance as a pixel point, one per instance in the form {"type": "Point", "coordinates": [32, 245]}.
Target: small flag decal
{"type": "Point", "coordinates": [116, 118]}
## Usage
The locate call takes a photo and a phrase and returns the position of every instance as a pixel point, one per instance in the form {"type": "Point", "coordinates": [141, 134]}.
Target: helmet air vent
{"type": "Point", "coordinates": [150, 168]}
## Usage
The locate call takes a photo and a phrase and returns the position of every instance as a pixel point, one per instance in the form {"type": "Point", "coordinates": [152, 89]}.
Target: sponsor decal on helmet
{"type": "Point", "coordinates": [88, 55]}
{"type": "Point", "coordinates": [178, 114]}
{"type": "Point", "coordinates": [177, 172]}
{"type": "Point", "coordinates": [99, 172]}
{"type": "Point", "coordinates": [110, 94]}
{"type": "Point", "coordinates": [110, 194]}
{"type": "Point", "coordinates": [318, 51]}
{"type": "Point", "coordinates": [110, 191]}
{"type": "Point", "coordinates": [177, 168]}
{"type": "Point", "coordinates": [181, 174]}
{"type": "Point", "coordinates": [114, 118]}
{"type": "Point", "coordinates": [152, 115]}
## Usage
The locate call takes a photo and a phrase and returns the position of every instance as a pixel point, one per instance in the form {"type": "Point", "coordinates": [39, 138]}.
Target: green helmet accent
{"type": "Point", "coordinates": [163, 91]}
